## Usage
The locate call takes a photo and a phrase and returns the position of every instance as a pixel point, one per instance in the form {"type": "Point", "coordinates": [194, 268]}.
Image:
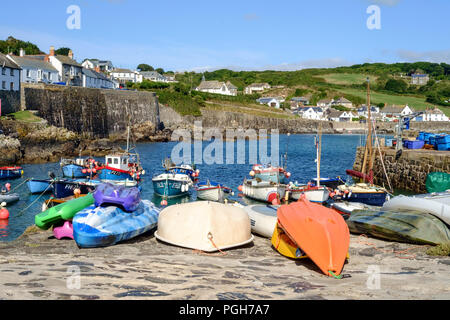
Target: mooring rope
{"type": "Point", "coordinates": [29, 206]}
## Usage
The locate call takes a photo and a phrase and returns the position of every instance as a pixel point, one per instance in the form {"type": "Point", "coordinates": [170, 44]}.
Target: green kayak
{"type": "Point", "coordinates": [410, 226]}
{"type": "Point", "coordinates": [63, 211]}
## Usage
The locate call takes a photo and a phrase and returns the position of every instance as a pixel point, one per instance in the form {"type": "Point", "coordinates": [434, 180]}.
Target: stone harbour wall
{"type": "Point", "coordinates": [409, 172]}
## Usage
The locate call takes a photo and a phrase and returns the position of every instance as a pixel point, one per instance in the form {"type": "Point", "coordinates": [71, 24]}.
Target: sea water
{"type": "Point", "coordinates": [338, 154]}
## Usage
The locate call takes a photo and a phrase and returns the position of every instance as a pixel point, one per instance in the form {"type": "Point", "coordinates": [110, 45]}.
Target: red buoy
{"type": "Point", "coordinates": [164, 202]}
{"type": "Point", "coordinates": [4, 214]}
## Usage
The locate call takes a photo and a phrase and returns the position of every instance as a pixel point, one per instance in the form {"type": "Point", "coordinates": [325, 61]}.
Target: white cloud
{"type": "Point", "coordinates": [437, 56]}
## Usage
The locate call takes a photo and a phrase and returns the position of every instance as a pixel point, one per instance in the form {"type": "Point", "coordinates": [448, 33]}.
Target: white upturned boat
{"type": "Point", "coordinates": [346, 208]}
{"type": "Point", "coordinates": [212, 191]}
{"type": "Point", "coordinates": [437, 204]}
{"type": "Point", "coordinates": [204, 225]}
{"type": "Point", "coordinates": [263, 219]}
{"type": "Point", "coordinates": [266, 191]}
{"type": "Point", "coordinates": [313, 194]}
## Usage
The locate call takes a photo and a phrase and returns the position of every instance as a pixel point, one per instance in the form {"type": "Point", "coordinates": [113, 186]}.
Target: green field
{"type": "Point", "coordinates": [25, 116]}
{"type": "Point", "coordinates": [347, 78]}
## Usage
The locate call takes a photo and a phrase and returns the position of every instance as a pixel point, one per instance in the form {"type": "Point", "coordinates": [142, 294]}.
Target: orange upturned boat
{"type": "Point", "coordinates": [318, 231]}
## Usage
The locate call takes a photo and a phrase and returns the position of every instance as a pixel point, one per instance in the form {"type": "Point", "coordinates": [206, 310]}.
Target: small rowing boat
{"type": "Point", "coordinates": [212, 191]}
{"type": "Point", "coordinates": [266, 191]}
{"type": "Point", "coordinates": [263, 218]}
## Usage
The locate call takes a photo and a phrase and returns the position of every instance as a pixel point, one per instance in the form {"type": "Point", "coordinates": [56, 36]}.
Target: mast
{"type": "Point", "coordinates": [368, 148]}
{"type": "Point", "coordinates": [319, 152]}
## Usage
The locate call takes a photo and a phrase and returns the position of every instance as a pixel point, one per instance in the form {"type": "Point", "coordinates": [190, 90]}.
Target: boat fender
{"type": "Point", "coordinates": [349, 194]}
{"type": "Point", "coordinates": [182, 188]}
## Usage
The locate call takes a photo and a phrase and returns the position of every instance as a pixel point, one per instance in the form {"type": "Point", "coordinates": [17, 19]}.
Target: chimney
{"type": "Point", "coordinates": [22, 52]}
{"type": "Point", "coordinates": [70, 54]}
{"type": "Point", "coordinates": [52, 51]}
{"type": "Point", "coordinates": [97, 68]}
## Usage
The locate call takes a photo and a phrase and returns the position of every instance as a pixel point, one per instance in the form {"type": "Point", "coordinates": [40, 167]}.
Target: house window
{"type": "Point", "coordinates": [49, 76]}
{"type": "Point", "coordinates": [4, 71]}
{"type": "Point", "coordinates": [11, 86]}
{"type": "Point", "coordinates": [12, 73]}
{"type": "Point", "coordinates": [28, 73]}
{"type": "Point", "coordinates": [39, 74]}
{"type": "Point", "coordinates": [4, 85]}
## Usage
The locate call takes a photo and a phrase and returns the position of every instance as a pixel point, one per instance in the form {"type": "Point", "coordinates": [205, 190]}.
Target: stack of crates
{"type": "Point", "coordinates": [443, 142]}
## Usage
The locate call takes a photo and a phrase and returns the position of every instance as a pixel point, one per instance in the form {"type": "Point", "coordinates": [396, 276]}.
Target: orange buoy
{"type": "Point", "coordinates": [240, 188]}
{"type": "Point", "coordinates": [287, 174]}
{"type": "Point", "coordinates": [275, 202]}
{"type": "Point", "coordinates": [8, 186]}
{"type": "Point", "coordinates": [4, 214]}
{"type": "Point", "coordinates": [84, 170]}
{"type": "Point", "coordinates": [94, 170]}
{"type": "Point", "coordinates": [252, 173]}
{"type": "Point", "coordinates": [77, 192]}
{"type": "Point", "coordinates": [320, 232]}
{"type": "Point", "coordinates": [332, 195]}
{"type": "Point", "coordinates": [164, 202]}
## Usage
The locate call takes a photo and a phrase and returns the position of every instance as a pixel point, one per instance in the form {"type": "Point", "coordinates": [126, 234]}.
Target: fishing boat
{"type": "Point", "coordinates": [365, 191]}
{"type": "Point", "coordinates": [11, 172]}
{"type": "Point", "coordinates": [317, 194]}
{"type": "Point", "coordinates": [63, 188]}
{"type": "Point", "coordinates": [263, 219]}
{"type": "Point", "coordinates": [122, 166]}
{"type": "Point", "coordinates": [204, 225]}
{"type": "Point", "coordinates": [266, 191]}
{"type": "Point", "coordinates": [437, 204]}
{"type": "Point", "coordinates": [63, 211]}
{"type": "Point", "coordinates": [108, 194]}
{"type": "Point", "coordinates": [270, 173]}
{"type": "Point", "coordinates": [75, 168]}
{"type": "Point", "coordinates": [106, 226]}
{"type": "Point", "coordinates": [169, 185]}
{"type": "Point", "coordinates": [319, 232]}
{"type": "Point", "coordinates": [40, 186]}
{"type": "Point", "coordinates": [402, 226]}
{"type": "Point", "coordinates": [186, 169]}
{"type": "Point", "coordinates": [314, 193]}
{"type": "Point", "coordinates": [212, 191]}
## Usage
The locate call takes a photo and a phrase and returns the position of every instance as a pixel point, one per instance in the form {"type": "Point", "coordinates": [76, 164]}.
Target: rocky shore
{"type": "Point", "coordinates": [38, 266]}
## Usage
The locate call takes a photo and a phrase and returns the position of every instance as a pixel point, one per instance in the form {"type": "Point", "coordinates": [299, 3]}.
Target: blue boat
{"type": "Point", "coordinates": [65, 188]}
{"type": "Point", "coordinates": [363, 193]}
{"type": "Point", "coordinates": [73, 171]}
{"type": "Point", "coordinates": [105, 226]}
{"type": "Point", "coordinates": [40, 186]}
{"type": "Point", "coordinates": [169, 185]}
{"type": "Point", "coordinates": [109, 194]}
{"type": "Point", "coordinates": [10, 172]}
{"type": "Point", "coordinates": [121, 167]}
{"type": "Point", "coordinates": [332, 183]}
{"type": "Point", "coordinates": [270, 173]}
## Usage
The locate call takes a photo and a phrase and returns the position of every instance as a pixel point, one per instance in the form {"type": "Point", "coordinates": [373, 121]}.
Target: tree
{"type": "Point", "coordinates": [14, 45]}
{"type": "Point", "coordinates": [160, 70]}
{"type": "Point", "coordinates": [62, 51]}
{"type": "Point", "coordinates": [397, 86]}
{"type": "Point", "coordinates": [145, 67]}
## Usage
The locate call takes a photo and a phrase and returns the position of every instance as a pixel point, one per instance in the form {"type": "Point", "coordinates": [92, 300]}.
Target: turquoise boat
{"type": "Point", "coordinates": [105, 226]}
{"type": "Point", "coordinates": [170, 185]}
{"type": "Point", "coordinates": [40, 186]}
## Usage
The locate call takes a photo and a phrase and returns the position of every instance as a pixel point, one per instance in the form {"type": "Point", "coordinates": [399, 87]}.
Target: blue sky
{"type": "Point", "coordinates": [242, 35]}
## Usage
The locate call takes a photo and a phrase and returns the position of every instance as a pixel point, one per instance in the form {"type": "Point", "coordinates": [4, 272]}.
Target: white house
{"type": "Point", "coordinates": [96, 79]}
{"type": "Point", "coordinates": [393, 111]}
{"type": "Point", "coordinates": [218, 87]}
{"type": "Point", "coordinates": [325, 103]}
{"type": "Point", "coordinates": [435, 114]}
{"type": "Point", "coordinates": [363, 111]}
{"type": "Point", "coordinates": [312, 113]}
{"type": "Point", "coordinates": [96, 64]}
{"type": "Point", "coordinates": [153, 76]}
{"type": "Point", "coordinates": [340, 116]}
{"type": "Point", "coordinates": [126, 75]}
{"type": "Point", "coordinates": [35, 70]}
{"type": "Point", "coordinates": [69, 70]}
{"type": "Point", "coordinates": [419, 78]}
{"type": "Point", "coordinates": [9, 74]}
{"type": "Point", "coordinates": [256, 87]}
{"type": "Point", "coordinates": [270, 101]}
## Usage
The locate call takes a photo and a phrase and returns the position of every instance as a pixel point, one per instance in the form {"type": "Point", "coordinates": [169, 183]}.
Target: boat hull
{"type": "Point", "coordinates": [63, 189]}
{"type": "Point", "coordinates": [73, 171]}
{"type": "Point", "coordinates": [105, 226]}
{"type": "Point", "coordinates": [39, 186]}
{"type": "Point", "coordinates": [263, 191]}
{"type": "Point", "coordinates": [263, 219]}
{"type": "Point", "coordinates": [313, 194]}
{"type": "Point", "coordinates": [112, 174]}
{"type": "Point", "coordinates": [10, 172]}
{"type": "Point", "coordinates": [171, 187]}
{"type": "Point", "coordinates": [9, 197]}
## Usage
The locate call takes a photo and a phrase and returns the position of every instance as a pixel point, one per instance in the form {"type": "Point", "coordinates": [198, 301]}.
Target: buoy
{"type": "Point", "coordinates": [332, 194]}
{"type": "Point", "coordinates": [8, 186]}
{"type": "Point", "coordinates": [4, 213]}
{"type": "Point", "coordinates": [287, 174]}
{"type": "Point", "coordinates": [197, 171]}
{"type": "Point", "coordinates": [240, 188]}
{"type": "Point", "coordinates": [164, 202]}
{"type": "Point", "coordinates": [252, 173]}
{"type": "Point", "coordinates": [346, 191]}
{"type": "Point", "coordinates": [275, 202]}
{"type": "Point", "coordinates": [76, 192]}
{"type": "Point", "coordinates": [84, 170]}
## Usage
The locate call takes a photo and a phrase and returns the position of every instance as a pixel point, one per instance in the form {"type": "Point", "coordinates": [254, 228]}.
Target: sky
{"type": "Point", "coordinates": [201, 35]}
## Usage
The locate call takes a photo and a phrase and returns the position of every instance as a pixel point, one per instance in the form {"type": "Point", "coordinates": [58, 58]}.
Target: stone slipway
{"type": "Point", "coordinates": [36, 265]}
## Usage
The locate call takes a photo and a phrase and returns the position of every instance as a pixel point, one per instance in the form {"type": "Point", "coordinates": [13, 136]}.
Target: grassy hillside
{"type": "Point", "coordinates": [347, 78]}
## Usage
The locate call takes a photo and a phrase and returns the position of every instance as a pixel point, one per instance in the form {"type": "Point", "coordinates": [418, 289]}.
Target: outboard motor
{"type": "Point", "coordinates": [51, 175]}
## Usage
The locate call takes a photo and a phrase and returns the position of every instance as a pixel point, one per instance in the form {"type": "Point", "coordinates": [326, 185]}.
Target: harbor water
{"type": "Point", "coordinates": [338, 153]}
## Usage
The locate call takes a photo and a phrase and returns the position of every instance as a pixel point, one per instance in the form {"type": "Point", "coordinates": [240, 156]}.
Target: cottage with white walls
{"type": "Point", "coordinates": [340, 116]}
{"type": "Point", "coordinates": [342, 102]}
{"type": "Point", "coordinates": [96, 64]}
{"type": "Point", "coordinates": [126, 75]}
{"type": "Point", "coordinates": [392, 112]}
{"type": "Point", "coordinates": [270, 101]}
{"type": "Point", "coordinates": [435, 114]}
{"type": "Point", "coordinates": [217, 87]}
{"type": "Point", "coordinates": [256, 87]}
{"type": "Point", "coordinates": [9, 74]}
{"type": "Point", "coordinates": [312, 113]}
{"type": "Point", "coordinates": [363, 111]}
{"type": "Point", "coordinates": [69, 70]}
{"type": "Point", "coordinates": [96, 79]}
{"type": "Point", "coordinates": [325, 103]}
{"type": "Point", "coordinates": [153, 76]}
{"type": "Point", "coordinates": [35, 70]}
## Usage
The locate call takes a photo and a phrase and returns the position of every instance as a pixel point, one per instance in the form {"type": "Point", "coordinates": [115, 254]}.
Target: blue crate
{"type": "Point", "coordinates": [417, 144]}
{"type": "Point", "coordinates": [443, 139]}
{"type": "Point", "coordinates": [443, 146]}
{"type": "Point", "coordinates": [421, 136]}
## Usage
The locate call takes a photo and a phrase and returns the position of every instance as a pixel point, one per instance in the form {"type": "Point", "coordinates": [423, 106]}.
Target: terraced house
{"type": "Point", "coordinates": [9, 85]}
{"type": "Point", "coordinates": [217, 87]}
{"type": "Point", "coordinates": [70, 71]}
{"type": "Point", "coordinates": [34, 69]}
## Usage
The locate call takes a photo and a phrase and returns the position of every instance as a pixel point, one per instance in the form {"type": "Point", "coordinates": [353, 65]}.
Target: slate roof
{"type": "Point", "coordinates": [5, 62]}
{"type": "Point", "coordinates": [66, 60]}
{"type": "Point", "coordinates": [230, 85]}
{"type": "Point", "coordinates": [204, 85]}
{"type": "Point", "coordinates": [26, 62]}
{"type": "Point", "coordinates": [392, 109]}
{"type": "Point", "coordinates": [119, 70]}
